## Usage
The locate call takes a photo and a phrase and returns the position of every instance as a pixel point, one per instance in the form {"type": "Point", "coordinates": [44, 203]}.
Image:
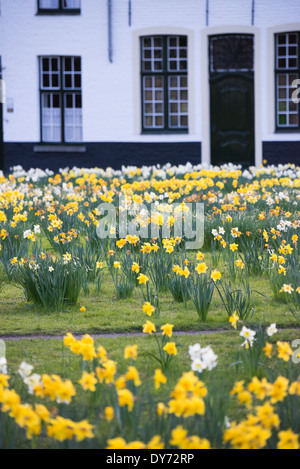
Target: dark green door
{"type": "Point", "coordinates": [232, 100]}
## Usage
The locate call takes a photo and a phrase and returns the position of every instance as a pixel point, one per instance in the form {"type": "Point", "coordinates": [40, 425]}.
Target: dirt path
{"type": "Point", "coordinates": [10, 338]}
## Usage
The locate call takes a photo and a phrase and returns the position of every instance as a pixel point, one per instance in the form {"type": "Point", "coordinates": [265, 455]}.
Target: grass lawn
{"type": "Point", "coordinates": [68, 366]}
{"type": "Point", "coordinates": [105, 313]}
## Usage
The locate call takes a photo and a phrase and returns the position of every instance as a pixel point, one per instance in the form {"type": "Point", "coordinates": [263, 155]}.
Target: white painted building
{"type": "Point", "coordinates": [112, 82]}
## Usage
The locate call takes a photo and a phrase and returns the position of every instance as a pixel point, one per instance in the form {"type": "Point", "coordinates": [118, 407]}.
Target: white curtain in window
{"type": "Point", "coordinates": [51, 125]}
{"type": "Point", "coordinates": [73, 125]}
{"type": "Point", "coordinates": [49, 4]}
{"type": "Point", "coordinates": [72, 4]}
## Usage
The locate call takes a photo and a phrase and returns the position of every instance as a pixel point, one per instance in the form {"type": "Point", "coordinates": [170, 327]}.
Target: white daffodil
{"type": "Point", "coordinates": [3, 366]}
{"type": "Point", "coordinates": [32, 381]}
{"type": "Point", "coordinates": [198, 365]}
{"type": "Point", "coordinates": [248, 335]}
{"type": "Point", "coordinates": [202, 358]}
{"type": "Point", "coordinates": [195, 351]}
{"type": "Point", "coordinates": [272, 330]}
{"type": "Point", "coordinates": [209, 358]}
{"type": "Point", "coordinates": [25, 370]}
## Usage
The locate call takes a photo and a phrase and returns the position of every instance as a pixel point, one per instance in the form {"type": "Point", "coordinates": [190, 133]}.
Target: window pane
{"type": "Point", "coordinates": [287, 50]}
{"type": "Point", "coordinates": [68, 64]}
{"type": "Point", "coordinates": [293, 120]}
{"type": "Point", "coordinates": [177, 53]}
{"type": "Point", "coordinates": [72, 72]}
{"type": "Point", "coordinates": [50, 72]}
{"type": "Point", "coordinates": [152, 53]}
{"type": "Point", "coordinates": [54, 4]}
{"type": "Point", "coordinates": [232, 52]}
{"type": "Point", "coordinates": [73, 117]}
{"type": "Point", "coordinates": [71, 4]}
{"type": "Point", "coordinates": [287, 110]}
{"type": "Point", "coordinates": [49, 4]}
{"type": "Point", "coordinates": [51, 117]}
{"type": "Point", "coordinates": [178, 102]}
{"type": "Point", "coordinates": [153, 93]}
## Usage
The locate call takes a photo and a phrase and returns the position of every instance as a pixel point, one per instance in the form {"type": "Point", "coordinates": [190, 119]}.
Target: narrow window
{"type": "Point", "coordinates": [164, 74]}
{"type": "Point", "coordinates": [63, 6]}
{"type": "Point", "coordinates": [287, 70]}
{"type": "Point", "coordinates": [61, 99]}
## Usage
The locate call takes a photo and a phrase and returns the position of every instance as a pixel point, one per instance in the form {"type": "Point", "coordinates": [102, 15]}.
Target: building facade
{"type": "Point", "coordinates": [118, 82]}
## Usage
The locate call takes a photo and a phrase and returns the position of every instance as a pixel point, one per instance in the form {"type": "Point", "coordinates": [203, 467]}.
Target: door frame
{"type": "Point", "coordinates": [205, 75]}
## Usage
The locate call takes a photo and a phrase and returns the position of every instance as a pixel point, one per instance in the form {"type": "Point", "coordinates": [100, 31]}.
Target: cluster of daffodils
{"type": "Point", "coordinates": [119, 402]}
{"type": "Point", "coordinates": [203, 358]}
{"type": "Point", "coordinates": [254, 209]}
{"type": "Point", "coordinates": [263, 401]}
{"type": "Point", "coordinates": [37, 419]}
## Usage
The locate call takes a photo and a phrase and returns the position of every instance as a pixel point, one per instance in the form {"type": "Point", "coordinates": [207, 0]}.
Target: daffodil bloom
{"type": "Point", "coordinates": [215, 275]}
{"type": "Point", "coordinates": [159, 378]}
{"type": "Point", "coordinates": [161, 409]}
{"type": "Point", "coordinates": [268, 350]}
{"type": "Point", "coordinates": [239, 263]}
{"type": "Point", "coordinates": [178, 436]}
{"type": "Point", "coordinates": [133, 375]}
{"type": "Point", "coordinates": [287, 289]}
{"type": "Point", "coordinates": [271, 330]}
{"type": "Point", "coordinates": [116, 443]}
{"type": "Point", "coordinates": [143, 279]}
{"type": "Point", "coordinates": [130, 352]}
{"type": "Point", "coordinates": [248, 334]}
{"type": "Point", "coordinates": [170, 348]}
{"type": "Point", "coordinates": [155, 443]}
{"type": "Point", "coordinates": [149, 327]}
{"type": "Point", "coordinates": [284, 351]}
{"type": "Point", "coordinates": [261, 389]}
{"type": "Point", "coordinates": [83, 430]}
{"type": "Point", "coordinates": [126, 398]}
{"type": "Point", "coordinates": [238, 388]}
{"type": "Point", "coordinates": [109, 413]}
{"type": "Point", "coordinates": [148, 308]}
{"type": "Point", "coordinates": [294, 389]}
{"type": "Point", "coordinates": [201, 268]}
{"type": "Point", "coordinates": [135, 268]}
{"type": "Point", "coordinates": [88, 381]}
{"type": "Point", "coordinates": [234, 320]}
{"type": "Point", "coordinates": [288, 440]}
{"type": "Point", "coordinates": [167, 329]}
{"type": "Point", "coordinates": [279, 389]}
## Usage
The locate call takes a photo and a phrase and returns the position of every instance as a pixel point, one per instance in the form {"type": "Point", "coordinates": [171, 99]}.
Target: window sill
{"type": "Point", "coordinates": [287, 131]}
{"type": "Point", "coordinates": [44, 148]}
{"type": "Point", "coordinates": [165, 132]}
{"type": "Point", "coordinates": [58, 12]}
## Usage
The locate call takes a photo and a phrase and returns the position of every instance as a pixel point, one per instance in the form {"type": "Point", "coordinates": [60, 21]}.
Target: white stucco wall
{"type": "Point", "coordinates": [111, 92]}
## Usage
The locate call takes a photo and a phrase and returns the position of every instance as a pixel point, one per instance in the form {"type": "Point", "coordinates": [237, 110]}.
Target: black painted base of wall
{"type": "Point", "coordinates": [102, 155]}
{"type": "Point", "coordinates": [282, 152]}
{"type": "Point", "coordinates": [115, 155]}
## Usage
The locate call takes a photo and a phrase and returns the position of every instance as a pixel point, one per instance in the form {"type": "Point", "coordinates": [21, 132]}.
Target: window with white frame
{"type": "Point", "coordinates": [59, 5]}
{"type": "Point", "coordinates": [287, 70]}
{"type": "Point", "coordinates": [164, 74]}
{"type": "Point", "coordinates": [61, 99]}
